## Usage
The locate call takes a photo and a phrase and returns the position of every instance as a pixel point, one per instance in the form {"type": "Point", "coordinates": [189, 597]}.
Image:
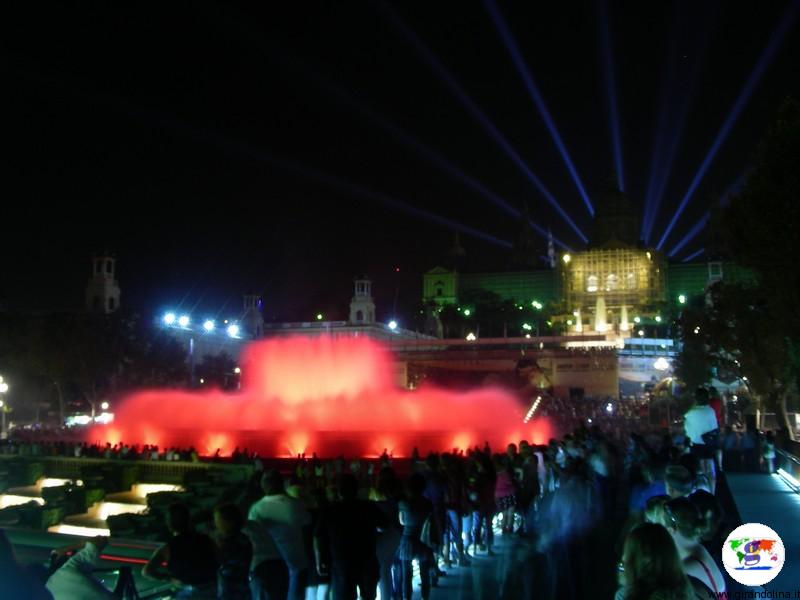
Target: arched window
{"type": "Point", "coordinates": [630, 281]}
{"type": "Point", "coordinates": [108, 266]}
{"type": "Point", "coordinates": [359, 315]}
{"type": "Point", "coordinates": [98, 266]}
{"type": "Point", "coordinates": [110, 304]}
{"type": "Point", "coordinates": [591, 283]}
{"type": "Point", "coordinates": [611, 282]}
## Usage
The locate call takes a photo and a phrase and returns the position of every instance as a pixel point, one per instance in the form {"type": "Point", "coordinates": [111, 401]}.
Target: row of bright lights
{"type": "Point", "coordinates": [532, 410]}
{"type": "Point", "coordinates": [170, 319]}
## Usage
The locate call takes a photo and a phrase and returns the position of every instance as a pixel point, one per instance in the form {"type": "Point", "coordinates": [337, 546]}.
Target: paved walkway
{"type": "Point", "coordinates": [767, 499]}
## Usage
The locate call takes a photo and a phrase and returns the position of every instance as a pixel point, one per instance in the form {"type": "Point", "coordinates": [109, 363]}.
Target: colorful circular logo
{"type": "Point", "coordinates": [753, 554]}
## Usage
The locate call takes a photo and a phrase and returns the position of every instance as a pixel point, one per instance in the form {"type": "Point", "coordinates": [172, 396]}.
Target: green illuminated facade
{"type": "Point", "coordinates": [614, 265]}
{"type": "Point", "coordinates": [448, 286]}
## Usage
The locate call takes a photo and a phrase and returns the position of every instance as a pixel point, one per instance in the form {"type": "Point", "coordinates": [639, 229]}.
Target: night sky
{"type": "Point", "coordinates": [216, 148]}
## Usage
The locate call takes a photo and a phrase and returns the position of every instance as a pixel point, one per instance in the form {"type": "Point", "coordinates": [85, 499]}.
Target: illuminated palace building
{"type": "Point", "coordinates": [616, 300]}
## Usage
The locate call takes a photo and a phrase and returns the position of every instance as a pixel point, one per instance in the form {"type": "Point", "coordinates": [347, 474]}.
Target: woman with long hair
{"type": "Point", "coordinates": [651, 568]}
{"type": "Point", "coordinates": [686, 526]}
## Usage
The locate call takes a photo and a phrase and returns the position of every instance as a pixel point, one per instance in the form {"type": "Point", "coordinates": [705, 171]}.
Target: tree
{"type": "Point", "coordinates": [217, 370]}
{"type": "Point", "coordinates": [751, 325]}
{"type": "Point", "coordinates": [83, 357]}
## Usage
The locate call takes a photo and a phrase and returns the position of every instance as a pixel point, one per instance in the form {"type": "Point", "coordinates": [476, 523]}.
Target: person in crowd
{"type": "Point", "coordinates": [686, 526]}
{"type": "Point", "coordinates": [530, 479]}
{"type": "Point", "coordinates": [15, 580]}
{"type": "Point", "coordinates": [75, 578]}
{"type": "Point", "coordinates": [768, 452]}
{"type": "Point", "coordinates": [651, 568]}
{"type": "Point", "coordinates": [386, 495]}
{"type": "Point", "coordinates": [484, 504]}
{"type": "Point", "coordinates": [678, 481]}
{"type": "Point", "coordinates": [654, 509]}
{"type": "Point", "coordinates": [711, 515]}
{"type": "Point", "coordinates": [717, 404]}
{"type": "Point", "coordinates": [700, 480]}
{"type": "Point", "coordinates": [731, 455]}
{"type": "Point", "coordinates": [345, 542]}
{"type": "Point", "coordinates": [277, 536]}
{"type": "Point", "coordinates": [700, 423]}
{"type": "Point", "coordinates": [505, 492]}
{"type": "Point", "coordinates": [651, 484]}
{"type": "Point", "coordinates": [235, 553]}
{"type": "Point", "coordinates": [413, 512]}
{"type": "Point", "coordinates": [435, 491]}
{"type": "Point", "coordinates": [188, 559]}
{"type": "Point", "coordinates": [748, 443]}
{"type": "Point", "coordinates": [456, 507]}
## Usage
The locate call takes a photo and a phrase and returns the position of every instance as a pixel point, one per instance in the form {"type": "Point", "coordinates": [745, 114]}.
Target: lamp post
{"type": "Point", "coordinates": [3, 409]}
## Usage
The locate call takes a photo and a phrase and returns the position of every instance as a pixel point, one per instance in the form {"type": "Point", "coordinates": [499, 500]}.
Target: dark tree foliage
{"type": "Point", "coordinates": [752, 327]}
{"type": "Point", "coordinates": [68, 358]}
{"type": "Point", "coordinates": [216, 370]}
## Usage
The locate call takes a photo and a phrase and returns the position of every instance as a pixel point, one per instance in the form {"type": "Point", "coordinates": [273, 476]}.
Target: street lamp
{"type": "Point", "coordinates": [392, 324]}
{"type": "Point", "coordinates": [104, 405]}
{"type": "Point", "coordinates": [3, 409]}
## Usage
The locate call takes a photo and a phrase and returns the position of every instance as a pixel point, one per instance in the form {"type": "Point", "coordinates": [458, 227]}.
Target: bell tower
{"type": "Point", "coordinates": [252, 319]}
{"type": "Point", "coordinates": [362, 307]}
{"type": "Point", "coordinates": [102, 291]}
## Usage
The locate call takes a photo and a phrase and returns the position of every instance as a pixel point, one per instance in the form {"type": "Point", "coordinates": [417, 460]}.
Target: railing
{"type": "Point", "coordinates": [788, 466]}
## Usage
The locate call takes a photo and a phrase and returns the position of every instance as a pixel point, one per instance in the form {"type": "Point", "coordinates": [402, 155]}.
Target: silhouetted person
{"type": "Point", "coordinates": [190, 557]}
{"type": "Point", "coordinates": [16, 581]}
{"type": "Point", "coordinates": [277, 536]}
{"type": "Point", "coordinates": [345, 542]}
{"type": "Point", "coordinates": [235, 554]}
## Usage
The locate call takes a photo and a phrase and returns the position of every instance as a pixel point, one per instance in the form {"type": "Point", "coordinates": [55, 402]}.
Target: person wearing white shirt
{"type": "Point", "coordinates": [275, 529]}
{"type": "Point", "coordinates": [699, 420]}
{"type": "Point", "coordinates": [74, 578]}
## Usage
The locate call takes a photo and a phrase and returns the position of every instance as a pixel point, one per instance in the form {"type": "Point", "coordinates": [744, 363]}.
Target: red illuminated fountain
{"type": "Point", "coordinates": [304, 395]}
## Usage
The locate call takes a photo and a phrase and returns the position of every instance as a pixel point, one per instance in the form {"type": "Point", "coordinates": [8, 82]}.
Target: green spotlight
{"type": "Point", "coordinates": [682, 299]}
{"type": "Point", "coordinates": [319, 316]}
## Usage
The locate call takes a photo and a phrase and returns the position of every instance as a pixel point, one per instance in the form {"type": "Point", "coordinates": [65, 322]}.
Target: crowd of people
{"type": "Point", "coordinates": [614, 507]}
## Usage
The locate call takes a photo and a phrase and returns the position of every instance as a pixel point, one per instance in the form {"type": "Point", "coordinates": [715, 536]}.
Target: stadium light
{"type": "Point", "coordinates": [233, 330]}
{"type": "Point", "coordinates": [184, 320]}
{"type": "Point", "coordinates": [392, 324]}
{"type": "Point", "coordinates": [169, 318]}
{"type": "Point", "coordinates": [208, 325]}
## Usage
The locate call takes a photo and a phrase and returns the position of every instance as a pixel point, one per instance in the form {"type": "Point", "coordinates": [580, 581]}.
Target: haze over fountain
{"type": "Point", "coordinates": [323, 395]}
